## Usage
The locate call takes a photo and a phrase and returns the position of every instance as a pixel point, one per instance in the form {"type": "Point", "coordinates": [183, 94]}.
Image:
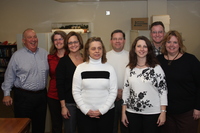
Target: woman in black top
{"type": "Point", "coordinates": [64, 74]}
{"type": "Point", "coordinates": [182, 72]}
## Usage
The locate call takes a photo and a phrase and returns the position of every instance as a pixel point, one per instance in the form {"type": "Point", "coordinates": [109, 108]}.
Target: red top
{"type": "Point", "coordinates": [53, 62]}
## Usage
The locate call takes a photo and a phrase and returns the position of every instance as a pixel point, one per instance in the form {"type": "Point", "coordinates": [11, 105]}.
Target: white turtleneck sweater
{"type": "Point", "coordinates": [94, 86]}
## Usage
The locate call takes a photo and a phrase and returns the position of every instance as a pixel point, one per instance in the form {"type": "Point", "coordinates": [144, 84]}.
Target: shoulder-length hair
{"type": "Point", "coordinates": [167, 37]}
{"type": "Point", "coordinates": [73, 33]}
{"type": "Point", "coordinates": [151, 59]}
{"type": "Point", "coordinates": [87, 46]}
{"type": "Point", "coordinates": [53, 49]}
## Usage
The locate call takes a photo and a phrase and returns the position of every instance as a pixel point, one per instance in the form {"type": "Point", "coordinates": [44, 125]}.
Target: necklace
{"type": "Point", "coordinates": [170, 61]}
{"type": "Point", "coordinates": [141, 65]}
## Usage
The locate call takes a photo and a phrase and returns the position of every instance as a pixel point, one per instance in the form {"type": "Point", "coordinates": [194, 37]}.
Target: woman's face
{"type": "Point", "coordinates": [73, 44]}
{"type": "Point", "coordinates": [141, 49]}
{"type": "Point", "coordinates": [95, 50]}
{"type": "Point", "coordinates": [58, 42]}
{"type": "Point", "coordinates": [172, 45]}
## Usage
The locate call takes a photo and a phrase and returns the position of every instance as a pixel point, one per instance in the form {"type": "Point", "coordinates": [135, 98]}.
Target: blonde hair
{"type": "Point", "coordinates": [169, 34]}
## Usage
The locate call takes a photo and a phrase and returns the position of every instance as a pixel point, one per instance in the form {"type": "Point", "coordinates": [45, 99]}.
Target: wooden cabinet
{"type": "Point", "coordinates": [6, 51]}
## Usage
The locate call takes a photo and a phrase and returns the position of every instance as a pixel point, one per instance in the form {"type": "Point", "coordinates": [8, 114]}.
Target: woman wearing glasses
{"type": "Point", "coordinates": [64, 75]}
{"type": "Point", "coordinates": [95, 90]}
{"type": "Point", "coordinates": [57, 51]}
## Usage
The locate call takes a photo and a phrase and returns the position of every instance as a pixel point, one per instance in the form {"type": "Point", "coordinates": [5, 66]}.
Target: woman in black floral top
{"type": "Point", "coordinates": [145, 90]}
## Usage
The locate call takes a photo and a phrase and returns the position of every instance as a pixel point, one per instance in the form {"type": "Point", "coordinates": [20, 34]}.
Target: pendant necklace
{"type": "Point", "coordinates": [170, 61]}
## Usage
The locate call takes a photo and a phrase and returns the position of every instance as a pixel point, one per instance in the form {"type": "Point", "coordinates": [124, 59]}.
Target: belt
{"type": "Point", "coordinates": [38, 91]}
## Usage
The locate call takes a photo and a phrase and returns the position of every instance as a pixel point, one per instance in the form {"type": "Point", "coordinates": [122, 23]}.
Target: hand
{"type": "Point", "coordinates": [7, 100]}
{"type": "Point", "coordinates": [196, 114]}
{"type": "Point", "coordinates": [125, 120]}
{"type": "Point", "coordinates": [94, 114]}
{"type": "Point", "coordinates": [161, 119]}
{"type": "Point", "coordinates": [65, 113]}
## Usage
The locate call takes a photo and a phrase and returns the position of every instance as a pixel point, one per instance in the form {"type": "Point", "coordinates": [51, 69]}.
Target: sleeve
{"type": "Point", "coordinates": [112, 92]}
{"type": "Point", "coordinates": [60, 78]}
{"type": "Point", "coordinates": [10, 77]}
{"type": "Point", "coordinates": [162, 85]}
{"type": "Point", "coordinates": [126, 87]}
{"type": "Point", "coordinates": [77, 89]}
{"type": "Point", "coordinates": [195, 67]}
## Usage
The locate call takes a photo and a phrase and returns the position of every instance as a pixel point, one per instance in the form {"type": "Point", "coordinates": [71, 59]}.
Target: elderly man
{"type": "Point", "coordinates": [27, 74]}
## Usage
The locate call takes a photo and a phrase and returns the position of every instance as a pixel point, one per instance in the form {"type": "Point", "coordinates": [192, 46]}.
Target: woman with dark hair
{"type": "Point", "coordinates": [183, 80]}
{"type": "Point", "coordinates": [145, 90]}
{"type": "Point", "coordinates": [95, 90]}
{"type": "Point", "coordinates": [64, 75]}
{"type": "Point", "coordinates": [57, 51]}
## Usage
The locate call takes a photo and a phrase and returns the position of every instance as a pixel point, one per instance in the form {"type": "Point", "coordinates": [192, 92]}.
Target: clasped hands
{"type": "Point", "coordinates": [94, 114]}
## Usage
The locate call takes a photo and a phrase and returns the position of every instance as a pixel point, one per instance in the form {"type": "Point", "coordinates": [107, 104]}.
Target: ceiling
{"type": "Point", "coordinates": [110, 0]}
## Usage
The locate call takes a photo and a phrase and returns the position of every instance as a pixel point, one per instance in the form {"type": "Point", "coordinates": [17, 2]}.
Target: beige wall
{"type": "Point", "coordinates": [185, 17]}
{"type": "Point", "coordinates": [17, 15]}
{"type": "Point", "coordinates": [21, 14]}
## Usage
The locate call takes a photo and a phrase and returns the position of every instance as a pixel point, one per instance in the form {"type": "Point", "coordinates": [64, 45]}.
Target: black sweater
{"type": "Point", "coordinates": [183, 82]}
{"type": "Point", "coordinates": [64, 75]}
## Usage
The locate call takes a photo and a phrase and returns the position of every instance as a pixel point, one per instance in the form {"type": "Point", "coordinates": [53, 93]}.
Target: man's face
{"type": "Point", "coordinates": [157, 34]}
{"type": "Point", "coordinates": [117, 41]}
{"type": "Point", "coordinates": [30, 40]}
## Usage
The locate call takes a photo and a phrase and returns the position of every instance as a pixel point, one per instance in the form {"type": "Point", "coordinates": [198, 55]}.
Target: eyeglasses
{"type": "Point", "coordinates": [60, 39]}
{"type": "Point", "coordinates": [75, 42]}
{"type": "Point", "coordinates": [157, 32]}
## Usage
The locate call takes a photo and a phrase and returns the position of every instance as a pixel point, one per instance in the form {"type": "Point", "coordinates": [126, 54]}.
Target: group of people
{"type": "Point", "coordinates": [152, 88]}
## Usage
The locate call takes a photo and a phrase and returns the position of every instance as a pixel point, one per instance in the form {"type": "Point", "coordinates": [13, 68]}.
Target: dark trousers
{"type": "Point", "coordinates": [56, 117]}
{"type": "Point", "coordinates": [180, 123]}
{"type": "Point", "coordinates": [104, 124]}
{"type": "Point", "coordinates": [71, 123]}
{"type": "Point", "coordinates": [140, 123]}
{"type": "Point", "coordinates": [117, 118]}
{"type": "Point", "coordinates": [31, 105]}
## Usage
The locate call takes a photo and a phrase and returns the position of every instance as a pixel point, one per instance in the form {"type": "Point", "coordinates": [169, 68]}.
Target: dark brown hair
{"type": "Point", "coordinates": [118, 31]}
{"type": "Point", "coordinates": [72, 33]}
{"type": "Point", "coordinates": [157, 23]}
{"type": "Point", "coordinates": [151, 59]}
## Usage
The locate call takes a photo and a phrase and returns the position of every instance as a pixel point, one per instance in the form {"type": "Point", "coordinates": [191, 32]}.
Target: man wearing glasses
{"type": "Point", "coordinates": [157, 30]}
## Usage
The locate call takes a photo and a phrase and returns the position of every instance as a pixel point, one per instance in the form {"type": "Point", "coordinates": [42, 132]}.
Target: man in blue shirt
{"type": "Point", "coordinates": [27, 74]}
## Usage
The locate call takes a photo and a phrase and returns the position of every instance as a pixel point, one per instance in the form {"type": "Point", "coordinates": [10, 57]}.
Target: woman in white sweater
{"type": "Point", "coordinates": [95, 90]}
{"type": "Point", "coordinates": [145, 90]}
